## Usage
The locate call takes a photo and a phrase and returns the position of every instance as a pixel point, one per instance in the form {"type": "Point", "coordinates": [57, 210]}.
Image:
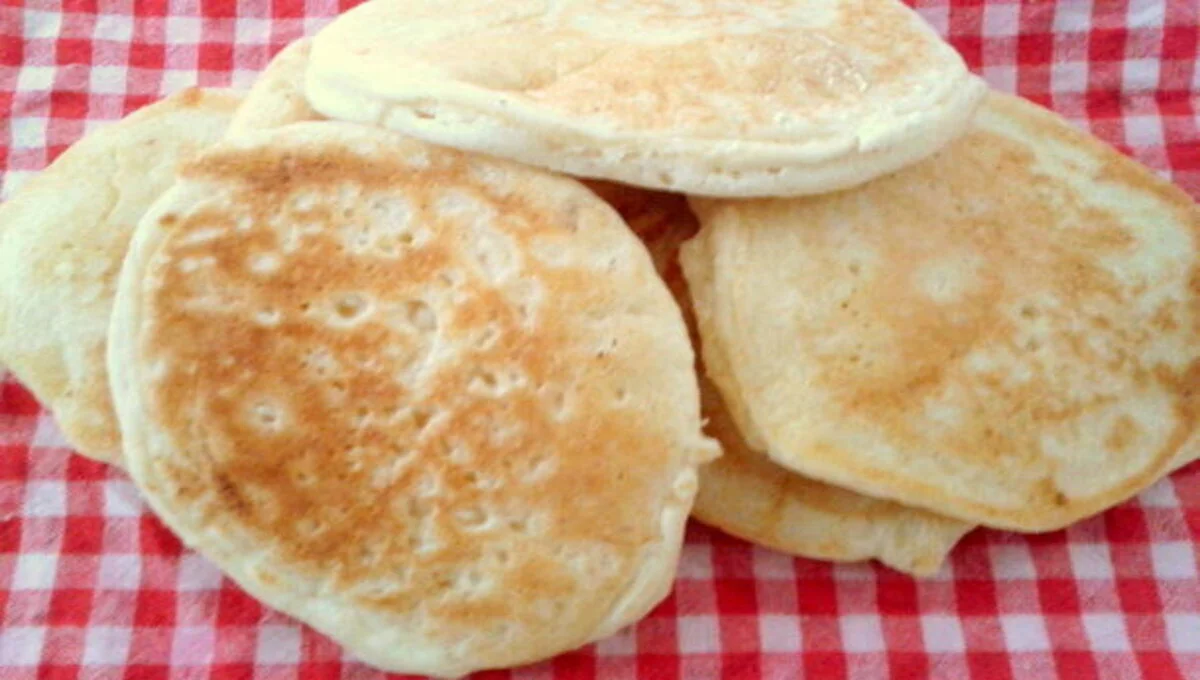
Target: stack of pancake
{"type": "Point", "coordinates": [434, 338]}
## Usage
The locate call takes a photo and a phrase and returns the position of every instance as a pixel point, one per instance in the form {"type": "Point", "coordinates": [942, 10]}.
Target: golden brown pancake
{"type": "Point", "coordinates": [745, 494]}
{"type": "Point", "coordinates": [438, 406]}
{"type": "Point", "coordinates": [1007, 333]}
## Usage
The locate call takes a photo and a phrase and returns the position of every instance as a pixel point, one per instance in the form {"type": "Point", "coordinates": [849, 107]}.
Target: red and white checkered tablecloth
{"type": "Point", "coordinates": [91, 586]}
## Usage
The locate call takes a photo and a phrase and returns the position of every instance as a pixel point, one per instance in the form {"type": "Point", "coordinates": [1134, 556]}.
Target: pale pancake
{"type": "Point", "coordinates": [743, 493]}
{"type": "Point", "coordinates": [62, 238]}
{"type": "Point", "coordinates": [277, 96]}
{"type": "Point", "coordinates": [769, 98]}
{"type": "Point", "coordinates": [439, 407]}
{"type": "Point", "coordinates": [1008, 333]}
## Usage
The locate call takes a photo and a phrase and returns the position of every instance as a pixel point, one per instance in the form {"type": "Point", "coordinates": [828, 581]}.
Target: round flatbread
{"type": "Point", "coordinates": [766, 98]}
{"type": "Point", "coordinates": [62, 238]}
{"type": "Point", "coordinates": [277, 96]}
{"type": "Point", "coordinates": [745, 494]}
{"type": "Point", "coordinates": [438, 406]}
{"type": "Point", "coordinates": [1008, 333]}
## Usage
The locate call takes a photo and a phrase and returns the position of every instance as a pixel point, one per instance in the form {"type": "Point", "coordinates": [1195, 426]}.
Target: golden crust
{"type": "Point", "coordinates": [438, 406]}
{"type": "Point", "coordinates": [745, 494]}
{"type": "Point", "coordinates": [1006, 333]}
{"type": "Point", "coordinates": [62, 238]}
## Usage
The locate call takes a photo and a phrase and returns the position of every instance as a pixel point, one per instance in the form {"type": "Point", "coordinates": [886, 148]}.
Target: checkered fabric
{"type": "Point", "coordinates": [92, 586]}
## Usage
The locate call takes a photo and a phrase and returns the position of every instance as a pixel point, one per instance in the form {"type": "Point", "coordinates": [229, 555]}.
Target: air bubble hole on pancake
{"type": "Point", "coordinates": [391, 422]}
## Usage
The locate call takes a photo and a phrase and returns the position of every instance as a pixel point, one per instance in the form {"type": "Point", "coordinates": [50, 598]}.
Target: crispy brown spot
{"type": "Point", "coordinates": [1123, 433]}
{"type": "Point", "coordinates": [363, 425]}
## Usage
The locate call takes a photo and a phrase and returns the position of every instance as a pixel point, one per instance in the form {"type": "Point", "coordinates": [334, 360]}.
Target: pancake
{"type": "Point", "coordinates": [277, 96]}
{"type": "Point", "coordinates": [437, 406]}
{"type": "Point", "coordinates": [62, 238]}
{"type": "Point", "coordinates": [746, 495]}
{"type": "Point", "coordinates": [770, 98]}
{"type": "Point", "coordinates": [1007, 333]}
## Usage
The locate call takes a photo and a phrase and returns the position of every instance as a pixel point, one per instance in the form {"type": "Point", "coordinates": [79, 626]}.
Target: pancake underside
{"type": "Point", "coordinates": [788, 99]}
{"type": "Point", "coordinates": [63, 239]}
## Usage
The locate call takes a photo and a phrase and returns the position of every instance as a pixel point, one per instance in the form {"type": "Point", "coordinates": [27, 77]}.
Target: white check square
{"type": "Point", "coordinates": [942, 634]}
{"type": "Point", "coordinates": [1183, 632]}
{"type": "Point", "coordinates": [45, 499]}
{"type": "Point", "coordinates": [35, 571]}
{"type": "Point", "coordinates": [1024, 633]}
{"type": "Point", "coordinates": [194, 645]}
{"type": "Point", "coordinates": [1072, 17]}
{"type": "Point", "coordinates": [1143, 131]}
{"type": "Point", "coordinates": [699, 635]}
{"type": "Point", "coordinates": [278, 645]}
{"type": "Point", "coordinates": [35, 78]}
{"type": "Point", "coordinates": [250, 31]}
{"type": "Point", "coordinates": [49, 435]}
{"type": "Point", "coordinates": [623, 643]}
{"type": "Point", "coordinates": [243, 78]}
{"type": "Point", "coordinates": [779, 633]}
{"type": "Point", "coordinates": [197, 573]}
{"type": "Point", "coordinates": [106, 645]}
{"type": "Point", "coordinates": [1174, 560]}
{"type": "Point", "coordinates": [179, 77]}
{"type": "Point", "coordinates": [862, 633]}
{"type": "Point", "coordinates": [1000, 20]}
{"type": "Point", "coordinates": [1140, 74]}
{"type": "Point", "coordinates": [107, 79]}
{"type": "Point", "coordinates": [1001, 77]}
{"type": "Point", "coordinates": [695, 562]}
{"type": "Point", "coordinates": [28, 133]}
{"type": "Point", "coordinates": [114, 27]}
{"type": "Point", "coordinates": [1162, 494]}
{"type": "Point", "coordinates": [21, 645]}
{"type": "Point", "coordinates": [312, 24]}
{"type": "Point", "coordinates": [1106, 632]}
{"type": "Point", "coordinates": [1013, 562]}
{"type": "Point", "coordinates": [121, 499]}
{"type": "Point", "coordinates": [183, 30]}
{"type": "Point", "coordinates": [1068, 76]}
{"type": "Point", "coordinates": [1091, 560]}
{"type": "Point", "coordinates": [119, 572]}
{"type": "Point", "coordinates": [40, 24]}
{"type": "Point", "coordinates": [771, 564]}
